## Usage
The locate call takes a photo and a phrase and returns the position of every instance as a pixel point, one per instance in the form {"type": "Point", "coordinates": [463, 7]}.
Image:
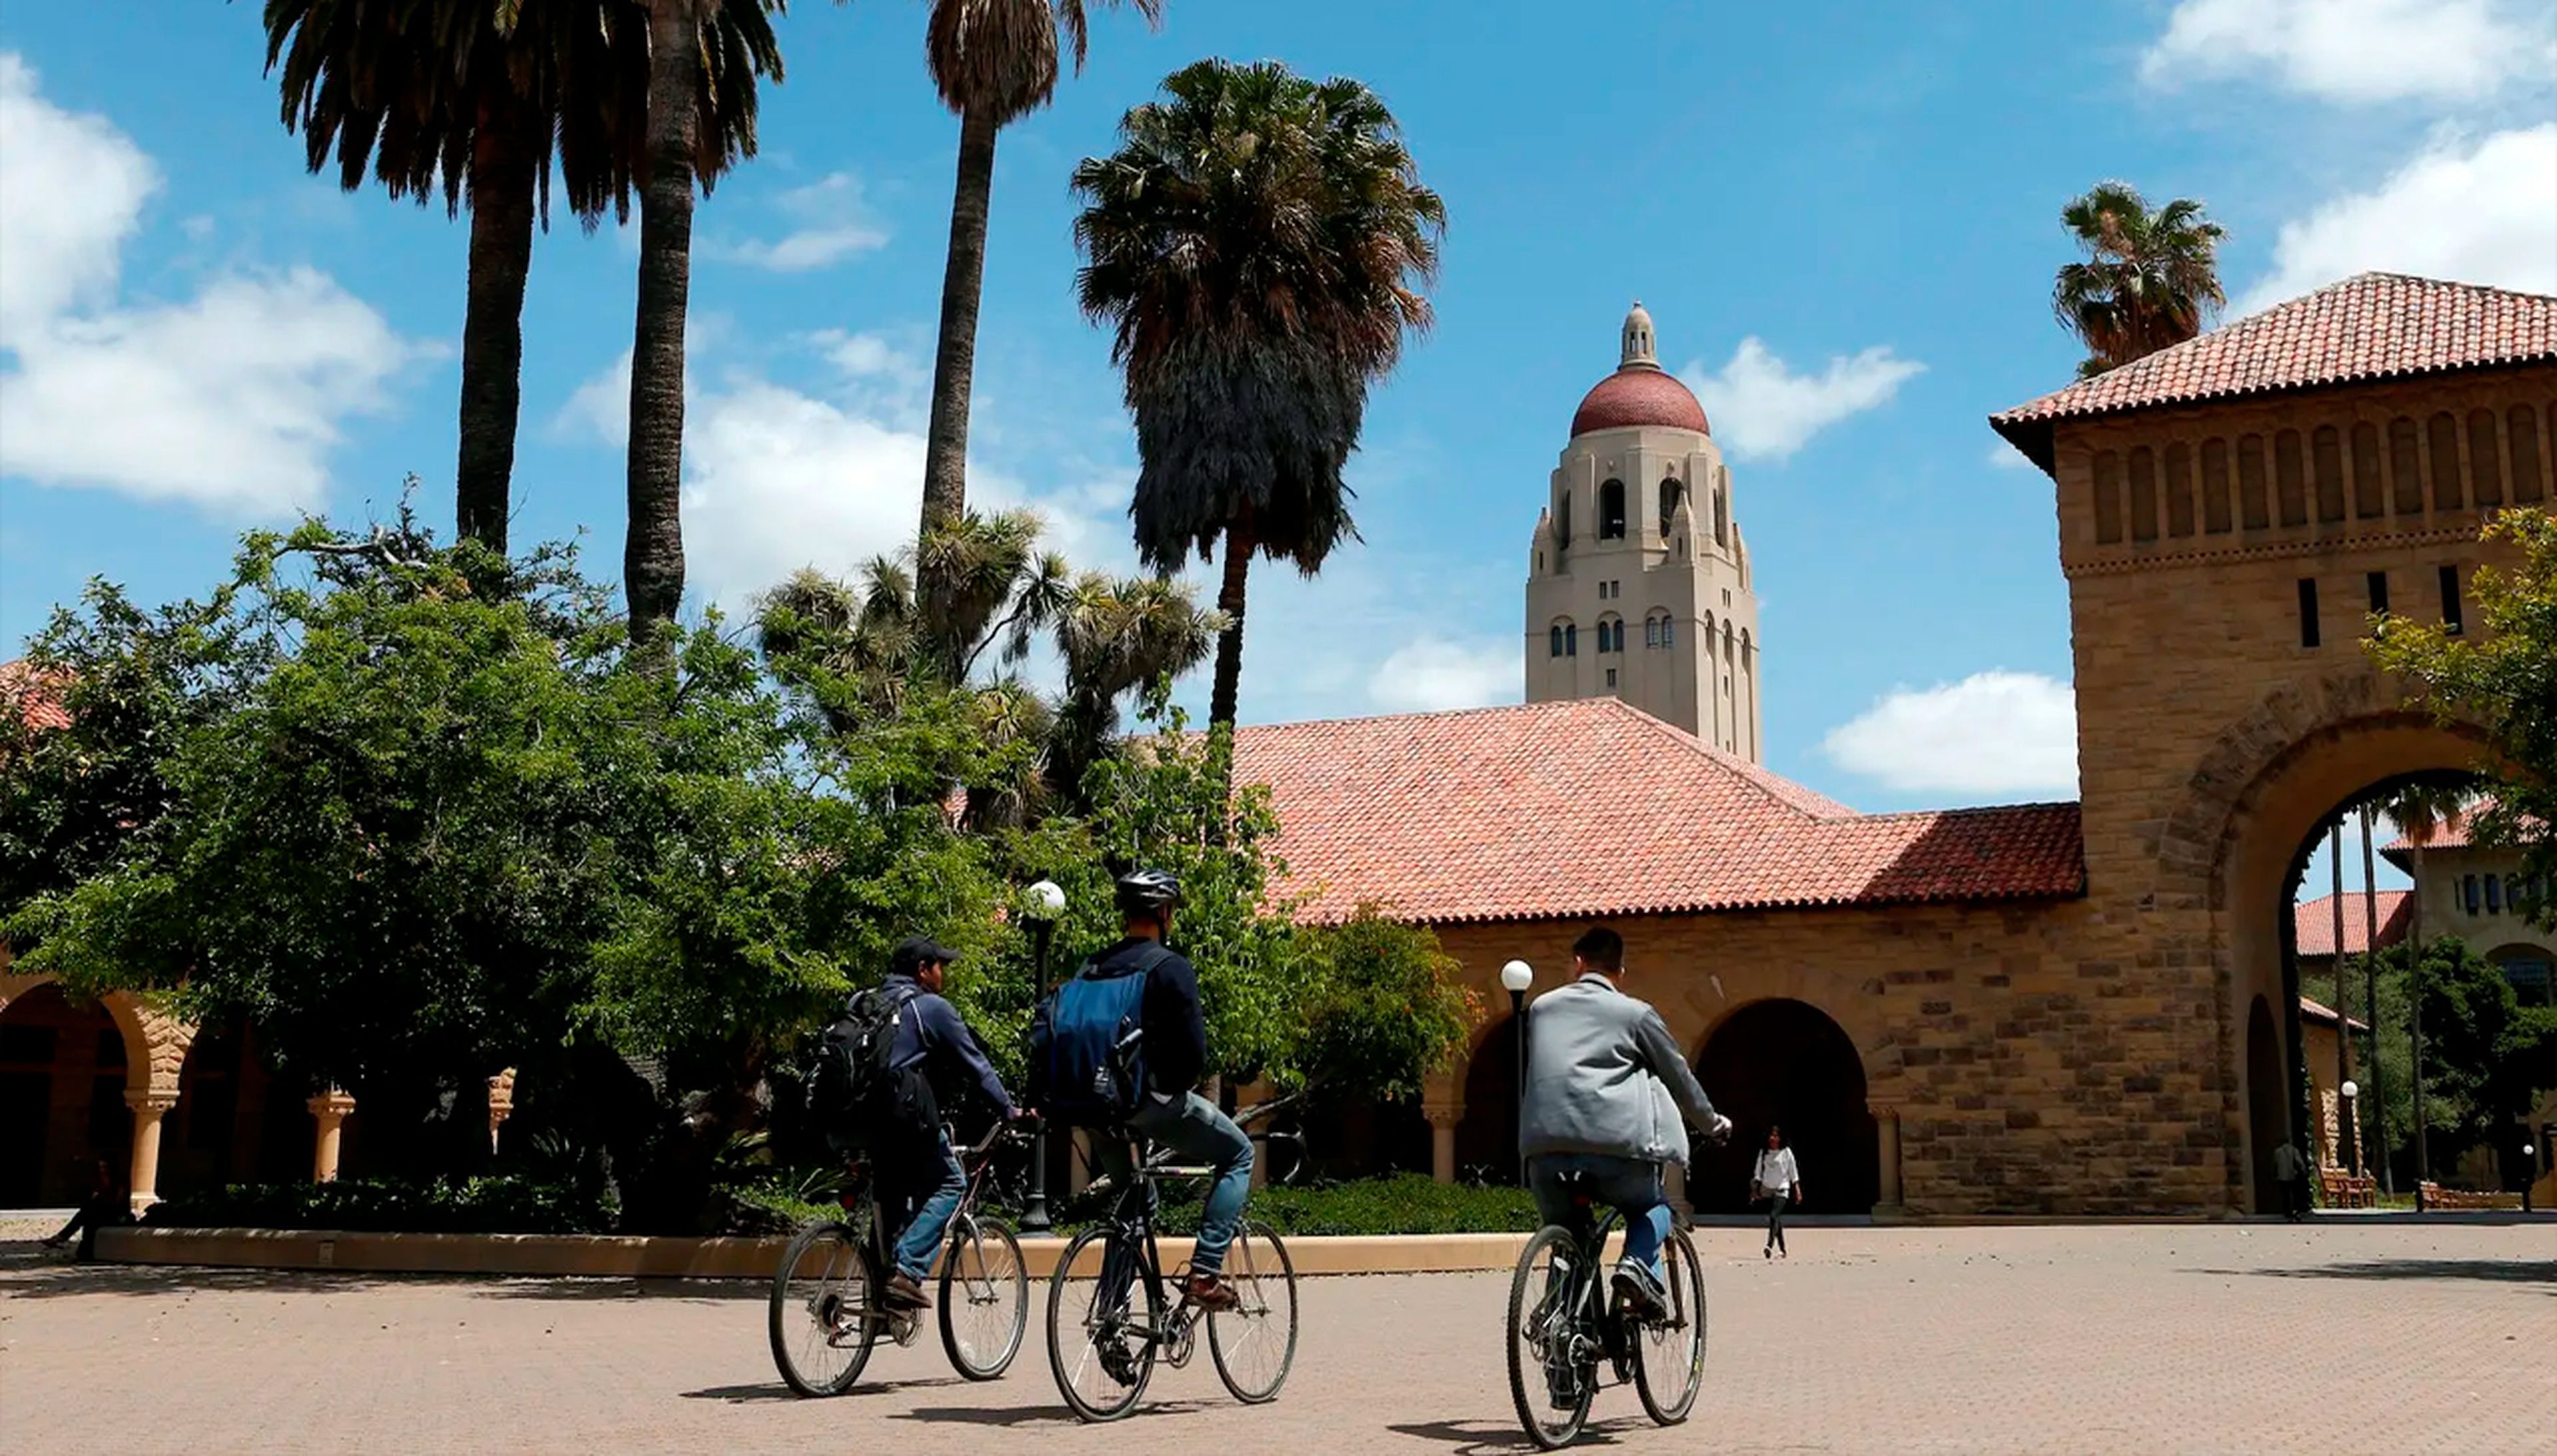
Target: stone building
{"type": "Point", "coordinates": [1639, 585]}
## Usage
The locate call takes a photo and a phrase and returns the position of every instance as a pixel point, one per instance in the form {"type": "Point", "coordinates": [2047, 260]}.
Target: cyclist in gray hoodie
{"type": "Point", "coordinates": [1606, 1088]}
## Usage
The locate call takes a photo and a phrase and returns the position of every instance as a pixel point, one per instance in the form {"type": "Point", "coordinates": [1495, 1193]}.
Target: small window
{"type": "Point", "coordinates": [1611, 511]}
{"type": "Point", "coordinates": [2308, 611]}
{"type": "Point", "coordinates": [2378, 590]}
{"type": "Point", "coordinates": [2494, 894]}
{"type": "Point", "coordinates": [1554, 640]}
{"type": "Point", "coordinates": [1570, 640]}
{"type": "Point", "coordinates": [1611, 677]}
{"type": "Point", "coordinates": [2451, 600]}
{"type": "Point", "coordinates": [1669, 631]}
{"type": "Point", "coordinates": [2469, 893]}
{"type": "Point", "coordinates": [1651, 632]}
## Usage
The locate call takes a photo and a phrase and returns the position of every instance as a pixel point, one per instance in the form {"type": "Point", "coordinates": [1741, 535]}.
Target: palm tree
{"type": "Point", "coordinates": [1258, 243]}
{"type": "Point", "coordinates": [2421, 809]}
{"type": "Point", "coordinates": [994, 62]}
{"type": "Point", "coordinates": [699, 51]}
{"type": "Point", "coordinates": [2150, 279]}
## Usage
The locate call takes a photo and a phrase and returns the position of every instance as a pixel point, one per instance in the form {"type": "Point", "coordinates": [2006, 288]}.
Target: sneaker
{"type": "Point", "coordinates": [1640, 1290]}
{"type": "Point", "coordinates": [1210, 1292]}
{"type": "Point", "coordinates": [905, 1291]}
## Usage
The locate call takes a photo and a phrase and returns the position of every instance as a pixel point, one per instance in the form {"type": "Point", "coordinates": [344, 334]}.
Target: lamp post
{"type": "Point", "coordinates": [1048, 902]}
{"type": "Point", "coordinates": [2530, 1173]}
{"type": "Point", "coordinates": [1516, 977]}
{"type": "Point", "coordinates": [2347, 1109]}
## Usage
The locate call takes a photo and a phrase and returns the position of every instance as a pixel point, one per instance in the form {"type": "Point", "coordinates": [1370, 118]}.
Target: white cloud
{"type": "Point", "coordinates": [1762, 410]}
{"type": "Point", "coordinates": [1434, 673]}
{"type": "Point", "coordinates": [2356, 51]}
{"type": "Point", "coordinates": [2473, 213]}
{"type": "Point", "coordinates": [827, 224]}
{"type": "Point", "coordinates": [231, 400]}
{"type": "Point", "coordinates": [1992, 733]}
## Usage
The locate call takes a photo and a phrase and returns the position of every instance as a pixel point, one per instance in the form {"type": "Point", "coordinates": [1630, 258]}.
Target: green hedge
{"type": "Point", "coordinates": [1405, 1203]}
{"type": "Point", "coordinates": [492, 1204]}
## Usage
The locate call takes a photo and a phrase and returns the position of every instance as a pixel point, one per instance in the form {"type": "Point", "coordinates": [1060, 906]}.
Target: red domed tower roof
{"type": "Point", "coordinates": [1638, 393]}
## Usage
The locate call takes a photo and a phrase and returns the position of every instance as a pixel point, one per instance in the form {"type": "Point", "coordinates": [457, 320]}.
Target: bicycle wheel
{"type": "Point", "coordinates": [1255, 1343]}
{"type": "Point", "coordinates": [1669, 1365]}
{"type": "Point", "coordinates": [1101, 1323]}
{"type": "Point", "coordinates": [984, 1298]}
{"type": "Point", "coordinates": [1553, 1354]}
{"type": "Point", "coordinates": [821, 1316]}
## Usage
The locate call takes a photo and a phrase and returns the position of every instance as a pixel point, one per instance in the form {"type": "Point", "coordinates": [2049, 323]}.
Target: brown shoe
{"type": "Point", "coordinates": [905, 1291]}
{"type": "Point", "coordinates": [1211, 1294]}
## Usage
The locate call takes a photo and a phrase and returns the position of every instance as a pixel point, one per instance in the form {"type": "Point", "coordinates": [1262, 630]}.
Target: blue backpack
{"type": "Point", "coordinates": [1088, 1044]}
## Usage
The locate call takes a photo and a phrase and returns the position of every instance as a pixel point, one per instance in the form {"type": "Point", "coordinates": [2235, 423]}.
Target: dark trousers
{"type": "Point", "coordinates": [1776, 1221]}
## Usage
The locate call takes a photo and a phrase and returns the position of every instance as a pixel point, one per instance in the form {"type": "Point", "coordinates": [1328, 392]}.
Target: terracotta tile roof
{"type": "Point", "coordinates": [2451, 834]}
{"type": "Point", "coordinates": [34, 696]}
{"type": "Point", "coordinates": [2376, 325]}
{"type": "Point", "coordinates": [1594, 808]}
{"type": "Point", "coordinates": [2313, 923]}
{"type": "Point", "coordinates": [2324, 1015]}
{"type": "Point", "coordinates": [1638, 394]}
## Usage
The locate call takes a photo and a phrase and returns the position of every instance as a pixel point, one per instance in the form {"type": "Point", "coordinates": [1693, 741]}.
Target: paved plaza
{"type": "Point", "coordinates": [2370, 1335]}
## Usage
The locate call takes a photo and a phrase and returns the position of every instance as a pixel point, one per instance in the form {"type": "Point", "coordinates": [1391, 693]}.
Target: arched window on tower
{"type": "Point", "coordinates": [1570, 640]}
{"type": "Point", "coordinates": [1554, 640]}
{"type": "Point", "coordinates": [1611, 511]}
{"type": "Point", "coordinates": [1671, 494]}
{"type": "Point", "coordinates": [1722, 508]}
{"type": "Point", "coordinates": [1669, 631]}
{"type": "Point", "coordinates": [1611, 634]}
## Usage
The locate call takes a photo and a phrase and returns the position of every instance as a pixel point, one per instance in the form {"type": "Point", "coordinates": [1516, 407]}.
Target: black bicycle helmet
{"type": "Point", "coordinates": [1143, 892]}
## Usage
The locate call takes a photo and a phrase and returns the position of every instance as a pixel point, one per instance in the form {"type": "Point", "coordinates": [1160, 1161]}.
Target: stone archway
{"type": "Point", "coordinates": [1785, 1061]}
{"type": "Point", "coordinates": [155, 1053]}
{"type": "Point", "coordinates": [2228, 849]}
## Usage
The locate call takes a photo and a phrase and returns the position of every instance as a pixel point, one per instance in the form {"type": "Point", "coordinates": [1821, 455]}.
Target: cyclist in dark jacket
{"type": "Point", "coordinates": [929, 1032]}
{"type": "Point", "coordinates": [1168, 1112]}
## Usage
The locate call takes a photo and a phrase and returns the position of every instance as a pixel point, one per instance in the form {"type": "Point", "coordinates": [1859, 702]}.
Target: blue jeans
{"type": "Point", "coordinates": [926, 1206]}
{"type": "Point", "coordinates": [1631, 1187]}
{"type": "Point", "coordinates": [1195, 1132]}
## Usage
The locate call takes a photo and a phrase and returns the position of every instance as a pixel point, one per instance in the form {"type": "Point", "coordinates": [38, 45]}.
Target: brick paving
{"type": "Point", "coordinates": [2379, 1336]}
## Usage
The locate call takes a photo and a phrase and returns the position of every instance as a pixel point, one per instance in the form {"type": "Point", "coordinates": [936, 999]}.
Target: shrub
{"type": "Point", "coordinates": [504, 1204]}
{"type": "Point", "coordinates": [1404, 1203]}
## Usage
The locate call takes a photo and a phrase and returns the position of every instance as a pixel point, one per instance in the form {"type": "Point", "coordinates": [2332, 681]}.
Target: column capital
{"type": "Point", "coordinates": [1883, 1111]}
{"type": "Point", "coordinates": [1442, 1115]}
{"type": "Point", "coordinates": [331, 1105]}
{"type": "Point", "coordinates": [154, 1099]}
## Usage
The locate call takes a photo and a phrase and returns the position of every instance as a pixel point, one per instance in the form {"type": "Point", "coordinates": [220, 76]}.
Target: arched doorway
{"type": "Point", "coordinates": [1487, 1141]}
{"type": "Point", "coordinates": [2264, 1101]}
{"type": "Point", "coordinates": [1784, 1062]}
{"type": "Point", "coordinates": [63, 1073]}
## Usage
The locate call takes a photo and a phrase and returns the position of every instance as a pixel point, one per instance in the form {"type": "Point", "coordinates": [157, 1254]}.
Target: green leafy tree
{"type": "Point", "coordinates": [994, 62]}
{"type": "Point", "coordinates": [2504, 677]}
{"type": "Point", "coordinates": [1387, 1008]}
{"type": "Point", "coordinates": [2150, 278]}
{"type": "Point", "coordinates": [1258, 244]}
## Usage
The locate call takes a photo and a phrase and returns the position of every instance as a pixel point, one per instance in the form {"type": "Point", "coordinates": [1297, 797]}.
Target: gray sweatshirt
{"type": "Point", "coordinates": [1604, 1076]}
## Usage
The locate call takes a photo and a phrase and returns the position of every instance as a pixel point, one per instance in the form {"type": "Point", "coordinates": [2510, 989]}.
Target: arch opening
{"type": "Point", "coordinates": [1785, 1063]}
{"type": "Point", "coordinates": [64, 1069]}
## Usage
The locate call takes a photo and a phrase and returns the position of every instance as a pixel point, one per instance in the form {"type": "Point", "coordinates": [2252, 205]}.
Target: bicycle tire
{"type": "Point", "coordinates": [1071, 1338]}
{"type": "Point", "coordinates": [1257, 1266]}
{"type": "Point", "coordinates": [1684, 1281]}
{"type": "Point", "coordinates": [996, 1273]}
{"type": "Point", "coordinates": [1531, 1329]}
{"type": "Point", "coordinates": [823, 1307]}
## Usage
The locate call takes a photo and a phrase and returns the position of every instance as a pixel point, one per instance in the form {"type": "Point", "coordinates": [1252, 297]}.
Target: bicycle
{"type": "Point", "coordinates": [826, 1308]}
{"type": "Point", "coordinates": [1112, 1352]}
{"type": "Point", "coordinates": [1561, 1330]}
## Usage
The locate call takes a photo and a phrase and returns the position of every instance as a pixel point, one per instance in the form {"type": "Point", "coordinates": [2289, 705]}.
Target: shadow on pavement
{"type": "Point", "coordinates": [47, 1275]}
{"type": "Point", "coordinates": [2492, 1270]}
{"type": "Point", "coordinates": [1017, 1415]}
{"type": "Point", "coordinates": [777, 1393]}
{"type": "Point", "coordinates": [1483, 1437]}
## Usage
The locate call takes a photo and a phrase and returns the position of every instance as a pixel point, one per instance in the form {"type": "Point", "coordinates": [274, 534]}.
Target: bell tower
{"type": "Point", "coordinates": [1639, 585]}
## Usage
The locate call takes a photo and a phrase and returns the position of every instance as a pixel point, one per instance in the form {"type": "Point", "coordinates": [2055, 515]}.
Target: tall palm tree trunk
{"type": "Point", "coordinates": [954, 365]}
{"type": "Point", "coordinates": [2376, 1148]}
{"type": "Point", "coordinates": [2415, 1014]}
{"type": "Point", "coordinates": [652, 560]}
{"type": "Point", "coordinates": [1239, 545]}
{"type": "Point", "coordinates": [502, 183]}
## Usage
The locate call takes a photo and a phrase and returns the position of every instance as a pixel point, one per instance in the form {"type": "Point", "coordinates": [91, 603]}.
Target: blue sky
{"type": "Point", "coordinates": [1842, 217]}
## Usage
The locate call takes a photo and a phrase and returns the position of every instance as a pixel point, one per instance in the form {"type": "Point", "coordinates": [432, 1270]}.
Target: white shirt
{"type": "Point", "coordinates": [1776, 1170]}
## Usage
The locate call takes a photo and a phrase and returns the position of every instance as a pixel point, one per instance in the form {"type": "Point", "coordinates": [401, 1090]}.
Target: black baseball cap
{"type": "Point", "coordinates": [916, 952]}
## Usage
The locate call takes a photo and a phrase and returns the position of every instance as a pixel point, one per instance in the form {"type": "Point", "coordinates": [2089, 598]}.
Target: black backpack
{"type": "Point", "coordinates": [859, 1098]}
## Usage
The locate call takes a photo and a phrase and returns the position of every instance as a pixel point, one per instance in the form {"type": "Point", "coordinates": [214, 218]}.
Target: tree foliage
{"type": "Point", "coordinates": [2150, 279]}
{"type": "Point", "coordinates": [2504, 677]}
{"type": "Point", "coordinates": [1387, 1007]}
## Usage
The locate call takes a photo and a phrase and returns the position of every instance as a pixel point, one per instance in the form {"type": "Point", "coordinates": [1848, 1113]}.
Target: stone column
{"type": "Point", "coordinates": [1442, 1104]}
{"type": "Point", "coordinates": [330, 1108]}
{"type": "Point", "coordinates": [149, 1106]}
{"type": "Point", "coordinates": [501, 1105]}
{"type": "Point", "coordinates": [1886, 1143]}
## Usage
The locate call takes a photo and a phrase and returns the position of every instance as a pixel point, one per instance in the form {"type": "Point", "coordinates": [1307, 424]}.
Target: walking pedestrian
{"type": "Point", "coordinates": [1777, 1181]}
{"type": "Point", "coordinates": [2290, 1177]}
{"type": "Point", "coordinates": [105, 1206]}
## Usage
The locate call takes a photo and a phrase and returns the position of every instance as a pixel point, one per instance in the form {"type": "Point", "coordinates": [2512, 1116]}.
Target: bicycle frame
{"type": "Point", "coordinates": [1588, 1310]}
